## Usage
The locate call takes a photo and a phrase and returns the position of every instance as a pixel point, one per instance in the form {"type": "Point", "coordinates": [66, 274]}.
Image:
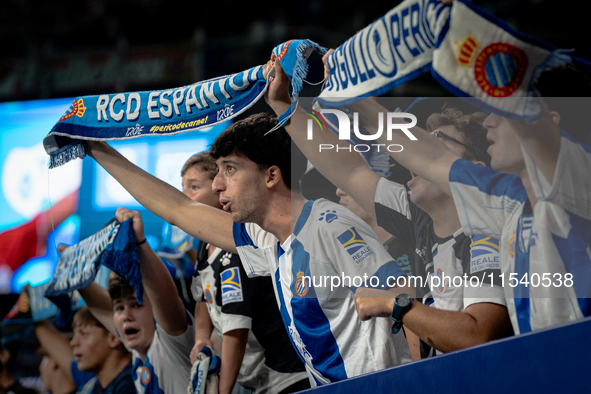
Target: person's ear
{"type": "Point", "coordinates": [112, 340]}
{"type": "Point", "coordinates": [274, 176]}
{"type": "Point", "coordinates": [555, 116]}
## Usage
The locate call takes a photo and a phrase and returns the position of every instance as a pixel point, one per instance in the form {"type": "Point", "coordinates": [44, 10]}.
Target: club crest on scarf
{"type": "Point", "coordinates": [499, 69]}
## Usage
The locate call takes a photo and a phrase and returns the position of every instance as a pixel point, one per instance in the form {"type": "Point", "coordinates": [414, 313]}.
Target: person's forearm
{"type": "Point", "coordinates": [414, 344]}
{"type": "Point", "coordinates": [201, 221]}
{"type": "Point", "coordinates": [233, 349]}
{"type": "Point", "coordinates": [426, 156]}
{"type": "Point", "coordinates": [99, 303]}
{"type": "Point", "coordinates": [444, 330]}
{"type": "Point", "coordinates": [168, 309]}
{"type": "Point", "coordinates": [203, 326]}
{"type": "Point", "coordinates": [55, 345]}
{"type": "Point", "coordinates": [345, 169]}
{"type": "Point", "coordinates": [447, 331]}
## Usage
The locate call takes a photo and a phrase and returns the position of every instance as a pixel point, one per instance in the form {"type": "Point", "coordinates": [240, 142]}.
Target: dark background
{"type": "Point", "coordinates": [63, 48]}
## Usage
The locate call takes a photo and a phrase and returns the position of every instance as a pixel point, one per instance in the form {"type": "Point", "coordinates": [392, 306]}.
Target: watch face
{"type": "Point", "coordinates": [403, 300]}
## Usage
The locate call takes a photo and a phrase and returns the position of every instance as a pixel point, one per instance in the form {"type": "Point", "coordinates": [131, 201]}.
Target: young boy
{"type": "Point", "coordinates": [256, 349]}
{"type": "Point", "coordinates": [159, 332]}
{"type": "Point", "coordinates": [92, 352]}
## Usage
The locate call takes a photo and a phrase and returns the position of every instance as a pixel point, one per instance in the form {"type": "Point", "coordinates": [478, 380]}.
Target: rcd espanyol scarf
{"type": "Point", "coordinates": [470, 52]}
{"type": "Point", "coordinates": [204, 104]}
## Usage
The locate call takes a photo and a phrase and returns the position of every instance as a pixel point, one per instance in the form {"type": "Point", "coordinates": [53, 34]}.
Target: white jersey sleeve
{"type": "Point", "coordinates": [252, 243]}
{"type": "Point", "coordinates": [571, 186]}
{"type": "Point", "coordinates": [485, 264]}
{"type": "Point", "coordinates": [483, 197]}
{"type": "Point", "coordinates": [353, 249]}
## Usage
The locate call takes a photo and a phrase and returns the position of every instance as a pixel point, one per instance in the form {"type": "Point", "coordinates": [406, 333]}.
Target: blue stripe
{"type": "Point", "coordinates": [509, 65]}
{"type": "Point", "coordinates": [503, 25]}
{"type": "Point", "coordinates": [303, 217]}
{"type": "Point", "coordinates": [521, 292]}
{"type": "Point", "coordinates": [283, 311]}
{"type": "Point", "coordinates": [490, 72]}
{"type": "Point", "coordinates": [487, 180]}
{"type": "Point", "coordinates": [573, 252]}
{"type": "Point", "coordinates": [313, 325]}
{"type": "Point", "coordinates": [241, 237]}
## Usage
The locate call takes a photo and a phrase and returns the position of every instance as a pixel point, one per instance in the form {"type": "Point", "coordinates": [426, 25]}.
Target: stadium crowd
{"type": "Point", "coordinates": [478, 197]}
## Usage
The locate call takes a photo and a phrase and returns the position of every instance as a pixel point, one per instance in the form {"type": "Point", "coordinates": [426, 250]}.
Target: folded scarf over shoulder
{"type": "Point", "coordinates": [204, 104]}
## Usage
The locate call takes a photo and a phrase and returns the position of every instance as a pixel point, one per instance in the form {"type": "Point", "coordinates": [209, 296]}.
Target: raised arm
{"type": "Point", "coordinates": [201, 221]}
{"type": "Point", "coordinates": [169, 311]}
{"type": "Point", "coordinates": [427, 156]}
{"type": "Point", "coordinates": [99, 303]}
{"type": "Point", "coordinates": [55, 345]}
{"type": "Point", "coordinates": [346, 170]}
{"type": "Point", "coordinates": [203, 330]}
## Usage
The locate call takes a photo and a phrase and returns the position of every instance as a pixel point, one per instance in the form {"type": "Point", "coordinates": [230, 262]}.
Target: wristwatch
{"type": "Point", "coordinates": [402, 303]}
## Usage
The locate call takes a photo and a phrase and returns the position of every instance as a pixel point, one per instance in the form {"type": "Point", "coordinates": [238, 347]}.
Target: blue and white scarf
{"type": "Point", "coordinates": [205, 373]}
{"type": "Point", "coordinates": [470, 52]}
{"type": "Point", "coordinates": [113, 247]}
{"type": "Point", "coordinates": [204, 104]}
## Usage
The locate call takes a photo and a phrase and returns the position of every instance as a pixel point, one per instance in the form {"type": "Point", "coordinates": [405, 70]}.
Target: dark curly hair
{"type": "Point", "coordinates": [250, 137]}
{"type": "Point", "coordinates": [471, 128]}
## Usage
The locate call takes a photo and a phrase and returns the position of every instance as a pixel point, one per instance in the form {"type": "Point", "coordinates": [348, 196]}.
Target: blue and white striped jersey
{"type": "Point", "coordinates": [538, 247]}
{"type": "Point", "coordinates": [328, 243]}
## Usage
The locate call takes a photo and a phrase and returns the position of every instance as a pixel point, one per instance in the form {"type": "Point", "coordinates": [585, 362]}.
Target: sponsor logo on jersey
{"type": "Point", "coordinates": [208, 296]}
{"type": "Point", "coordinates": [440, 276]}
{"type": "Point", "coordinates": [499, 69]}
{"type": "Point", "coordinates": [512, 245]}
{"type": "Point", "coordinates": [231, 286]}
{"type": "Point", "coordinates": [145, 375]}
{"type": "Point", "coordinates": [485, 254]}
{"type": "Point", "coordinates": [226, 258]}
{"type": "Point", "coordinates": [329, 216]}
{"type": "Point", "coordinates": [355, 245]}
{"type": "Point", "coordinates": [301, 285]}
{"type": "Point", "coordinates": [299, 344]}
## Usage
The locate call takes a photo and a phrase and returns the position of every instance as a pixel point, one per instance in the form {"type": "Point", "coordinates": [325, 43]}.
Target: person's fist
{"type": "Point", "coordinates": [124, 214]}
{"type": "Point", "coordinates": [326, 68]}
